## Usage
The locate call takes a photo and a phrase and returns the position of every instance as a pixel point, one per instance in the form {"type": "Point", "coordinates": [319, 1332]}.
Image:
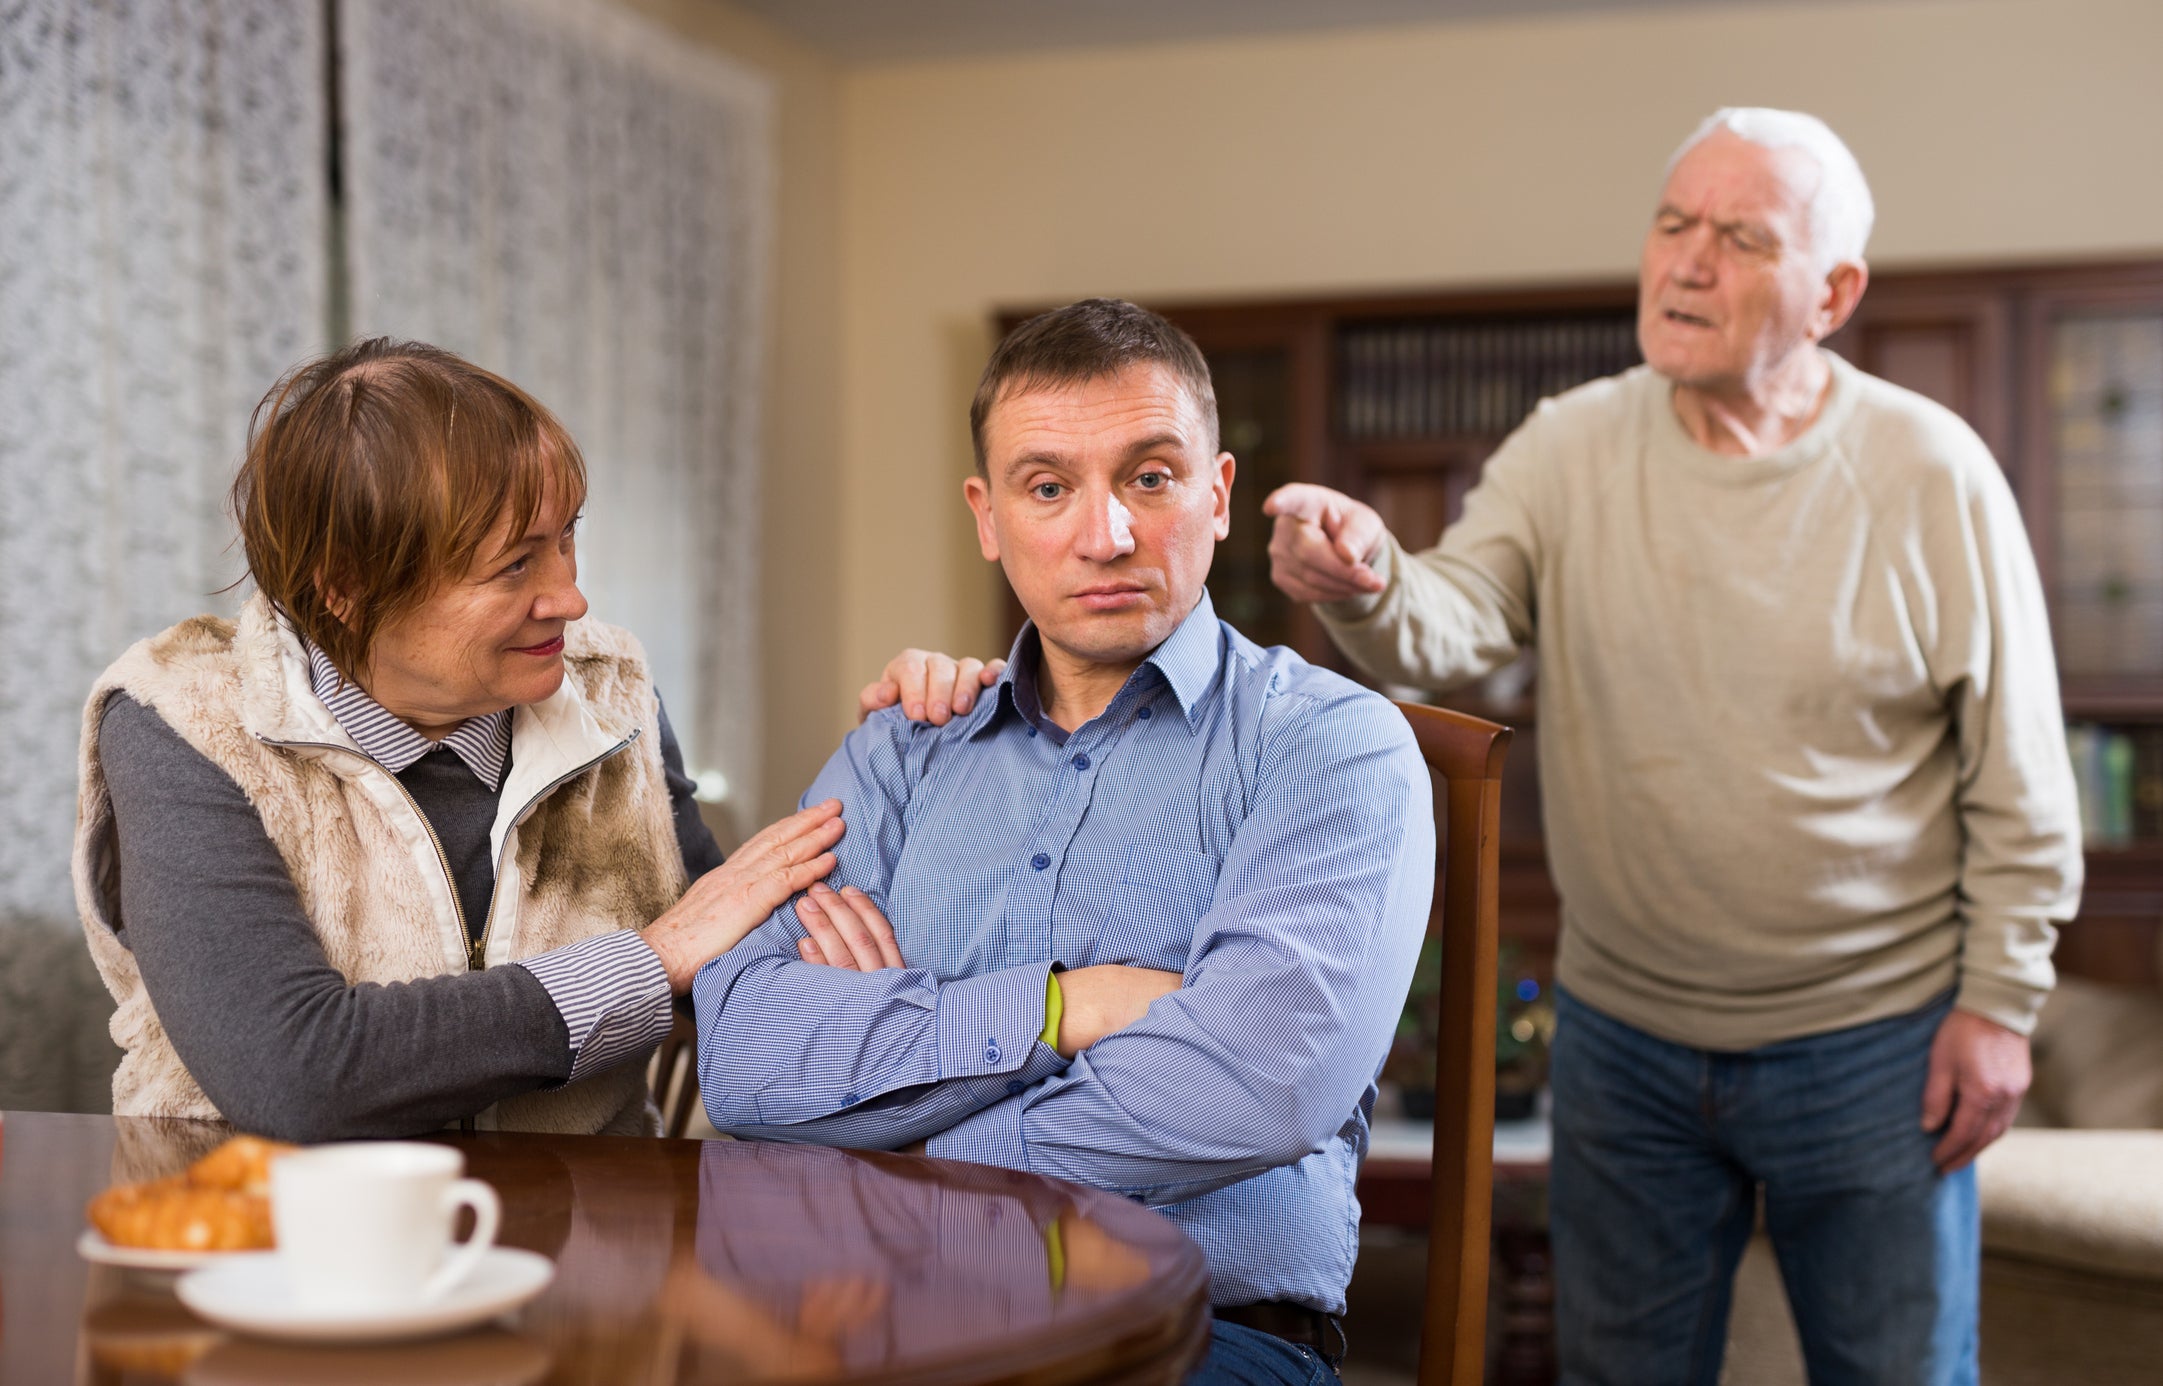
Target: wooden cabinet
{"type": "Point", "coordinates": [2061, 371]}
{"type": "Point", "coordinates": [1400, 399]}
{"type": "Point", "coordinates": [1943, 340]}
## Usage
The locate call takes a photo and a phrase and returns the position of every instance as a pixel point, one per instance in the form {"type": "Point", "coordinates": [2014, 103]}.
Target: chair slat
{"type": "Point", "coordinates": [1466, 755]}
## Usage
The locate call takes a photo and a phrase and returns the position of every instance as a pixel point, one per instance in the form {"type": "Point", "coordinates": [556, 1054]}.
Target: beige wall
{"type": "Point", "coordinates": [802, 427]}
{"type": "Point", "coordinates": [916, 198]}
{"type": "Point", "coordinates": [1510, 151]}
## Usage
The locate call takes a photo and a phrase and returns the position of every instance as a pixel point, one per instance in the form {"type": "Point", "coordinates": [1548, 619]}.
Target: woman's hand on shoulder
{"type": "Point", "coordinates": [736, 897]}
{"type": "Point", "coordinates": [931, 687]}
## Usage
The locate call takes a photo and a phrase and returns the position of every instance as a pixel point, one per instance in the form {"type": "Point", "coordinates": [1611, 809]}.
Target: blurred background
{"type": "Point", "coordinates": [755, 253]}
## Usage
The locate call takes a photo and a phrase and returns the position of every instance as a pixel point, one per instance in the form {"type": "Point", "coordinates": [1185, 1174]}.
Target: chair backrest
{"type": "Point", "coordinates": [674, 1074]}
{"type": "Point", "coordinates": [1465, 754]}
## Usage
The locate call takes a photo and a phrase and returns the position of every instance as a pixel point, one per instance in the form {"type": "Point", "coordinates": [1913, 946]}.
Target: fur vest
{"type": "Point", "coordinates": [583, 840]}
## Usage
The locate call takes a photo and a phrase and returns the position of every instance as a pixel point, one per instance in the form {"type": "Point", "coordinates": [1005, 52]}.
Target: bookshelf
{"type": "Point", "coordinates": [1400, 398]}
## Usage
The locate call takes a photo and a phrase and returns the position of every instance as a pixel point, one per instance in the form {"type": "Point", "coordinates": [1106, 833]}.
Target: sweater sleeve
{"type": "Point", "coordinates": [694, 839]}
{"type": "Point", "coordinates": [2021, 866]}
{"type": "Point", "coordinates": [1463, 608]}
{"type": "Point", "coordinates": [274, 1034]}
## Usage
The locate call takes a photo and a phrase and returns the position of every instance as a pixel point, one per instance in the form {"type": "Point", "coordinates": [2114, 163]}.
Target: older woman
{"type": "Point", "coordinates": [410, 842]}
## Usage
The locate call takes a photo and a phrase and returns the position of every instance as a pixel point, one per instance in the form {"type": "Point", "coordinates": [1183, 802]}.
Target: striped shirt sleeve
{"type": "Point", "coordinates": [613, 995]}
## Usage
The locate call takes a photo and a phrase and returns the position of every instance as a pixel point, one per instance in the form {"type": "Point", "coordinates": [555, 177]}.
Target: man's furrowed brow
{"type": "Point", "coordinates": [1028, 460]}
{"type": "Point", "coordinates": [1155, 443]}
{"type": "Point", "coordinates": [1752, 228]}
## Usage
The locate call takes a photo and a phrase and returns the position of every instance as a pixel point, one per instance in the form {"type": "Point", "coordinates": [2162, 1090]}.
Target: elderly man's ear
{"type": "Point", "coordinates": [1843, 290]}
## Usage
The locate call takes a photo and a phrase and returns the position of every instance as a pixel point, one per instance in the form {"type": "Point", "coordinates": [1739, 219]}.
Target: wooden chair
{"type": "Point", "coordinates": [1465, 754]}
{"type": "Point", "coordinates": [674, 1075]}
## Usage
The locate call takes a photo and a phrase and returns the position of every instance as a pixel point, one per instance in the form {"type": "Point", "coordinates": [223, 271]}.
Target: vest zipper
{"type": "Point", "coordinates": [477, 949]}
{"type": "Point", "coordinates": [477, 953]}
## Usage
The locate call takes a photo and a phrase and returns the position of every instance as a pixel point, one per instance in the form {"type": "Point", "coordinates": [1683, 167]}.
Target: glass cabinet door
{"type": "Point", "coordinates": [2098, 406]}
{"type": "Point", "coordinates": [2104, 398]}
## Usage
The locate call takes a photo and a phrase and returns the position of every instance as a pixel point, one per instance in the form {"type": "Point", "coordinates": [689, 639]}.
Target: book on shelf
{"type": "Point", "coordinates": [1453, 378]}
{"type": "Point", "coordinates": [2119, 774]}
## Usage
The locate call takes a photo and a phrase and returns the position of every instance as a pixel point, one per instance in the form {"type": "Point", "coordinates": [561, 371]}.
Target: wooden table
{"type": "Point", "coordinates": [676, 1261]}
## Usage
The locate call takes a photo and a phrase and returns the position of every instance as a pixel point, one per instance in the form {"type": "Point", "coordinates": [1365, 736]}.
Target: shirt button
{"type": "Point", "coordinates": [1032, 731]}
{"type": "Point", "coordinates": [1013, 1087]}
{"type": "Point", "coordinates": [991, 1051]}
{"type": "Point", "coordinates": [850, 1099]}
{"type": "Point", "coordinates": [1040, 860]}
{"type": "Point", "coordinates": [1143, 714]}
{"type": "Point", "coordinates": [1081, 762]}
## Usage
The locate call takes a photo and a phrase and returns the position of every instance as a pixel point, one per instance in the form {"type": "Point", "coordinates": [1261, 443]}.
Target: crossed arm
{"type": "Point", "coordinates": [846, 929]}
{"type": "Point", "coordinates": [1292, 987]}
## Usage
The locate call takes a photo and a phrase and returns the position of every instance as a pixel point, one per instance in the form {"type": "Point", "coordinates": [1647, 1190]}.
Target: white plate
{"type": "Point", "coordinates": [92, 1246]}
{"type": "Point", "coordinates": [249, 1293]}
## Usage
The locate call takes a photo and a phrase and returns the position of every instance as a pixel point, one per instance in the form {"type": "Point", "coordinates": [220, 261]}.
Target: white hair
{"type": "Point", "coordinates": [1841, 211]}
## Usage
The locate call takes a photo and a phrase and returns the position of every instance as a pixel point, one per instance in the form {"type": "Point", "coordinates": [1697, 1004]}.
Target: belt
{"type": "Point", "coordinates": [1294, 1323]}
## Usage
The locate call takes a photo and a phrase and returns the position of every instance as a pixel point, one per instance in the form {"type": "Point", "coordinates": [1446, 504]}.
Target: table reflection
{"type": "Point", "coordinates": [859, 1261]}
{"type": "Point", "coordinates": [683, 1262]}
{"type": "Point", "coordinates": [135, 1331]}
{"type": "Point", "coordinates": [150, 1148]}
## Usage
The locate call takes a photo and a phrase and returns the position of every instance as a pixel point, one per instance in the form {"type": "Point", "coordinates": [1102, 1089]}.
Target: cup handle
{"type": "Point", "coordinates": [487, 1213]}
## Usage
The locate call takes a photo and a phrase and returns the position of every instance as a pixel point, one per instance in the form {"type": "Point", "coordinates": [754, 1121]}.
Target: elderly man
{"type": "Point", "coordinates": [1807, 797]}
{"type": "Point", "coordinates": [1162, 889]}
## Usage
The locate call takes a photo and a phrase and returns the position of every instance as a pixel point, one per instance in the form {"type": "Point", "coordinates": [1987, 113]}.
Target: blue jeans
{"type": "Point", "coordinates": [1243, 1356]}
{"type": "Point", "coordinates": [1660, 1154]}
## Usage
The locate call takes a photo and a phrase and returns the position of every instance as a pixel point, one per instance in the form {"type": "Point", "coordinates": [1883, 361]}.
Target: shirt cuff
{"type": "Point", "coordinates": [613, 995]}
{"type": "Point", "coordinates": [989, 1024]}
{"type": "Point", "coordinates": [992, 1135]}
{"type": "Point", "coordinates": [1054, 1010]}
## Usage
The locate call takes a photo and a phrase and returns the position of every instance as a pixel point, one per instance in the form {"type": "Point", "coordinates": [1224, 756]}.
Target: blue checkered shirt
{"type": "Point", "coordinates": [1262, 826]}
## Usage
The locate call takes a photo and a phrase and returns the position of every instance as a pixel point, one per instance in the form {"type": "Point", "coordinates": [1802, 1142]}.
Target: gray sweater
{"type": "Point", "coordinates": [243, 988]}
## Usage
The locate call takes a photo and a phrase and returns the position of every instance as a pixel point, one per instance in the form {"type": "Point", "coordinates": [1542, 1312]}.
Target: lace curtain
{"type": "Point", "coordinates": [549, 186]}
{"type": "Point", "coordinates": [162, 223]}
{"type": "Point", "coordinates": [568, 197]}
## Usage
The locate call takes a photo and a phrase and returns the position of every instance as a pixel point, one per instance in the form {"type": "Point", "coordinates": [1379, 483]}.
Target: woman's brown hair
{"type": "Point", "coordinates": [375, 474]}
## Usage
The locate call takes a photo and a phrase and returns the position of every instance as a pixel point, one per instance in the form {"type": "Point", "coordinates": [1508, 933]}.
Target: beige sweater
{"type": "Point", "coordinates": [1801, 757]}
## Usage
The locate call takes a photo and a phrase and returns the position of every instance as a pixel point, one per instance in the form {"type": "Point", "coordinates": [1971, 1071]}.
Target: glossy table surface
{"type": "Point", "coordinates": [676, 1261]}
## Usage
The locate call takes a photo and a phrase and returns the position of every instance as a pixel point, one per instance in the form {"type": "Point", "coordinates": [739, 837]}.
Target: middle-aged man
{"type": "Point", "coordinates": [1806, 790]}
{"type": "Point", "coordinates": [1229, 853]}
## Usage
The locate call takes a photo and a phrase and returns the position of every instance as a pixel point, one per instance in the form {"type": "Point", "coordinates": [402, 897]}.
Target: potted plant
{"type": "Point", "coordinates": [1524, 1022]}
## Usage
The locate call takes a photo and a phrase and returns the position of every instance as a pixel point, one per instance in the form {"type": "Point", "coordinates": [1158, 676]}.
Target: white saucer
{"type": "Point", "coordinates": [249, 1293]}
{"type": "Point", "coordinates": [92, 1246]}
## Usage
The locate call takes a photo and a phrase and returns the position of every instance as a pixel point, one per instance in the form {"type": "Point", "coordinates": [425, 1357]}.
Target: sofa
{"type": "Point", "coordinates": [2072, 1199]}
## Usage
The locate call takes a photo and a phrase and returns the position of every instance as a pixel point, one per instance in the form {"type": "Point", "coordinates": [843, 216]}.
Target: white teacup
{"type": "Point", "coordinates": [367, 1225]}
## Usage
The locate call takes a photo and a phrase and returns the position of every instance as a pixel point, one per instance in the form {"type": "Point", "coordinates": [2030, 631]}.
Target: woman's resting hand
{"type": "Point", "coordinates": [734, 898]}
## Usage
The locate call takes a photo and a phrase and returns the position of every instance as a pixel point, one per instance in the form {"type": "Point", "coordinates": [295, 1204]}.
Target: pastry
{"type": "Point", "coordinates": [219, 1203]}
{"type": "Point", "coordinates": [241, 1163]}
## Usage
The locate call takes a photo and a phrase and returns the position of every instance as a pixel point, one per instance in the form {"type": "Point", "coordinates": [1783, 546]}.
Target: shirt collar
{"type": "Point", "coordinates": [1190, 657]}
{"type": "Point", "coordinates": [482, 743]}
{"type": "Point", "coordinates": [1187, 662]}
